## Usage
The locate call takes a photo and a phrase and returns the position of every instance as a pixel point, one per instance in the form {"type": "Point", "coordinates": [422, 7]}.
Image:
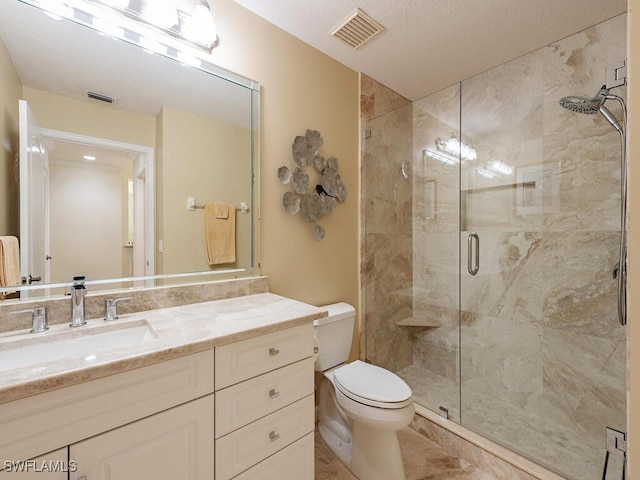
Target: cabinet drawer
{"type": "Point", "coordinates": [242, 449]}
{"type": "Point", "coordinates": [292, 463]}
{"type": "Point", "coordinates": [33, 425]}
{"type": "Point", "coordinates": [248, 358]}
{"type": "Point", "coordinates": [252, 399]}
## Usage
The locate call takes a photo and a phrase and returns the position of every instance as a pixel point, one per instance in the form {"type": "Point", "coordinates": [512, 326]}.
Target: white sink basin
{"type": "Point", "coordinates": [83, 343]}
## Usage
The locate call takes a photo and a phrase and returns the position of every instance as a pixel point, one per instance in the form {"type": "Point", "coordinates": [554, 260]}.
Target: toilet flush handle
{"type": "Point", "coordinates": [273, 351]}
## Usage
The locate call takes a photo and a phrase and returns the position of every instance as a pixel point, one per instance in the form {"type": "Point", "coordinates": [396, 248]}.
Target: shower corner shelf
{"type": "Point", "coordinates": [418, 322]}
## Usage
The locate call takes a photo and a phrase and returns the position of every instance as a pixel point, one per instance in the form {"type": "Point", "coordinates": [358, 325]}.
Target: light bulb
{"type": "Point", "coordinates": [201, 27]}
{"type": "Point", "coordinates": [453, 146]}
{"type": "Point", "coordinates": [161, 13]}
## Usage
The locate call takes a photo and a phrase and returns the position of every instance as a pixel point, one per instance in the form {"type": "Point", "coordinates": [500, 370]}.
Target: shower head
{"type": "Point", "coordinates": [592, 106]}
{"type": "Point", "coordinates": [579, 105]}
{"type": "Point", "coordinates": [589, 106]}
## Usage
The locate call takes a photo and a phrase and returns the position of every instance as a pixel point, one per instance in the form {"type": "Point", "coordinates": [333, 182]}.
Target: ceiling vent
{"type": "Point", "coordinates": [101, 97]}
{"type": "Point", "coordinates": [357, 29]}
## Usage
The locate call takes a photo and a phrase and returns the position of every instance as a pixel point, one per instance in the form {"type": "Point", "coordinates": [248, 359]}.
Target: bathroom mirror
{"type": "Point", "coordinates": [131, 146]}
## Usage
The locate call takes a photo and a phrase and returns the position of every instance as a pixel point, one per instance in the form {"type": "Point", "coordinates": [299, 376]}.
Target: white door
{"type": "Point", "coordinates": [34, 200]}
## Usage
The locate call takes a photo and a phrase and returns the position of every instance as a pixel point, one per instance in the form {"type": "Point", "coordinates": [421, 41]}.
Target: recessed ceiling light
{"type": "Point", "coordinates": [91, 158]}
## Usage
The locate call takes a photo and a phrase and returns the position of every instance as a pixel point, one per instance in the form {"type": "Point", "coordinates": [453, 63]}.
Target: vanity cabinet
{"type": "Point", "coordinates": [172, 420]}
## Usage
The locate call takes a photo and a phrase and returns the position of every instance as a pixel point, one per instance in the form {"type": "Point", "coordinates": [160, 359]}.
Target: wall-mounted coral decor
{"type": "Point", "coordinates": [319, 200]}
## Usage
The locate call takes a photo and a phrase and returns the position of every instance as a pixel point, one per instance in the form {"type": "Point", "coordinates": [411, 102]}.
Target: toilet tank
{"type": "Point", "coordinates": [334, 334]}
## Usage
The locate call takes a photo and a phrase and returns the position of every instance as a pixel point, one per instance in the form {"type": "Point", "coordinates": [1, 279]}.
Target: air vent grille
{"type": "Point", "coordinates": [101, 97]}
{"type": "Point", "coordinates": [357, 29]}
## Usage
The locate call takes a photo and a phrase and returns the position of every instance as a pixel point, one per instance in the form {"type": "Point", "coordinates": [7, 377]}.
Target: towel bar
{"type": "Point", "coordinates": [192, 205]}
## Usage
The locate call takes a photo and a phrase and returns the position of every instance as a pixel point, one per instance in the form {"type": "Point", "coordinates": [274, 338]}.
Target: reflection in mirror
{"type": "Point", "coordinates": [115, 142]}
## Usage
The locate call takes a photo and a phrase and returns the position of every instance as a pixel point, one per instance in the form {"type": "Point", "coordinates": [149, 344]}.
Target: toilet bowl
{"type": "Point", "coordinates": [361, 406]}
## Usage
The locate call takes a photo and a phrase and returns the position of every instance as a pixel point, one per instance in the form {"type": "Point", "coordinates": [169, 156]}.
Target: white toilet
{"type": "Point", "coordinates": [361, 406]}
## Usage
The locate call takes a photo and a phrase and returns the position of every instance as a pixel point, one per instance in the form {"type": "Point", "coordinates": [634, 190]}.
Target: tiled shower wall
{"type": "Point", "coordinates": [542, 358]}
{"type": "Point", "coordinates": [387, 249]}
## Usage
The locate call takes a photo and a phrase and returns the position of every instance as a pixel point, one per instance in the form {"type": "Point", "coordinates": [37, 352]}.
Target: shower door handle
{"type": "Point", "coordinates": [473, 243]}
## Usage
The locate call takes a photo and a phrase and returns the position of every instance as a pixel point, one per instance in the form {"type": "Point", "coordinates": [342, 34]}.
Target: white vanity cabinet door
{"type": "Point", "coordinates": [175, 444]}
{"type": "Point", "coordinates": [245, 359]}
{"type": "Point", "coordinates": [51, 466]}
{"type": "Point", "coordinates": [296, 462]}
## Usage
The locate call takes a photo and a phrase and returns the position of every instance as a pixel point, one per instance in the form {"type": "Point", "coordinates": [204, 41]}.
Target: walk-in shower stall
{"type": "Point", "coordinates": [492, 249]}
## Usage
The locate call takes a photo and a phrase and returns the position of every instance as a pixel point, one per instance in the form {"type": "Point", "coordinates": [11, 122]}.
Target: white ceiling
{"type": "Point", "coordinates": [428, 45]}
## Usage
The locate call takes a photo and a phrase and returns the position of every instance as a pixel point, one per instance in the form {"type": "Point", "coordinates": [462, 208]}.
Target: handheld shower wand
{"type": "Point", "coordinates": [592, 106]}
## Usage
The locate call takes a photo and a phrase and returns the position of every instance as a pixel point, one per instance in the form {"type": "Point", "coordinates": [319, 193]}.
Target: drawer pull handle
{"type": "Point", "coordinates": [273, 351]}
{"type": "Point", "coordinates": [273, 393]}
{"type": "Point", "coordinates": [273, 436]}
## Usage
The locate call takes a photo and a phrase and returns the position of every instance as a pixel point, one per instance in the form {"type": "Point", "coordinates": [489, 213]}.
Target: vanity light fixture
{"type": "Point", "coordinates": [156, 22]}
{"type": "Point", "coordinates": [447, 159]}
{"type": "Point", "coordinates": [485, 173]}
{"type": "Point", "coordinates": [196, 26]}
{"type": "Point", "coordinates": [500, 167]}
{"type": "Point", "coordinates": [89, 158]}
{"type": "Point", "coordinates": [452, 146]}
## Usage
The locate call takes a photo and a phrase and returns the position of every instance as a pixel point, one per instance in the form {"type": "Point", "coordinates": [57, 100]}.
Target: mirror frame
{"type": "Point", "coordinates": [183, 54]}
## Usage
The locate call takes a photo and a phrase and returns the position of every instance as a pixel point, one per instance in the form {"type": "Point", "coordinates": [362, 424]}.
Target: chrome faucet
{"type": "Point", "coordinates": [39, 321]}
{"type": "Point", "coordinates": [110, 308]}
{"type": "Point", "coordinates": [78, 292]}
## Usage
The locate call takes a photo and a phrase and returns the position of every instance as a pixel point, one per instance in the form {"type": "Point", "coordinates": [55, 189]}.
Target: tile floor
{"type": "Point", "coordinates": [423, 460]}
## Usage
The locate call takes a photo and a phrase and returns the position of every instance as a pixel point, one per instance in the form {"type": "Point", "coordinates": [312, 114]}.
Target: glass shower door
{"type": "Point", "coordinates": [542, 356]}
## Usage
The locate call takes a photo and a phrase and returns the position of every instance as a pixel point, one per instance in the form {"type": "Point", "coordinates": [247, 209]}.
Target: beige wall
{"type": "Point", "coordinates": [301, 88]}
{"type": "Point", "coordinates": [10, 90]}
{"type": "Point", "coordinates": [85, 117]}
{"type": "Point", "coordinates": [208, 160]}
{"type": "Point", "coordinates": [633, 338]}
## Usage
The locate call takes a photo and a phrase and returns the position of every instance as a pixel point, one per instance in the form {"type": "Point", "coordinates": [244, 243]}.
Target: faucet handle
{"type": "Point", "coordinates": [39, 322]}
{"type": "Point", "coordinates": [110, 309]}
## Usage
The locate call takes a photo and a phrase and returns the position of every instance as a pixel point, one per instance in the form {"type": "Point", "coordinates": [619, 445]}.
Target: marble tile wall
{"type": "Point", "coordinates": [386, 209]}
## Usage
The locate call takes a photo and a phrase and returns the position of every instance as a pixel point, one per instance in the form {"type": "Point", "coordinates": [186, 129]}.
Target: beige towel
{"type": "Point", "coordinates": [220, 232]}
{"type": "Point", "coordinates": [9, 262]}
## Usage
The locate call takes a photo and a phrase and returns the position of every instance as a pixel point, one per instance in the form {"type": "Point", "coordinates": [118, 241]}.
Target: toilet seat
{"type": "Point", "coordinates": [372, 385]}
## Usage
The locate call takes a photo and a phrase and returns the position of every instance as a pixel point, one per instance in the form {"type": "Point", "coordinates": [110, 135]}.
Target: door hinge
{"type": "Point", "coordinates": [616, 441]}
{"type": "Point", "coordinates": [616, 74]}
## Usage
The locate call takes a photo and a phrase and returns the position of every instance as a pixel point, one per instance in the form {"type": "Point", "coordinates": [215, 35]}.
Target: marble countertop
{"type": "Point", "coordinates": [178, 331]}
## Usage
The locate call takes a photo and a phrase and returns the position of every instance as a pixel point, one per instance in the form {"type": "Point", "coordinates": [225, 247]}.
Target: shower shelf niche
{"type": "Point", "coordinates": [418, 322]}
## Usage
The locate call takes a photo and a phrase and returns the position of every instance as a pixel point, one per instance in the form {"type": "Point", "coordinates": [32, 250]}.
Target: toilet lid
{"type": "Point", "coordinates": [363, 381]}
